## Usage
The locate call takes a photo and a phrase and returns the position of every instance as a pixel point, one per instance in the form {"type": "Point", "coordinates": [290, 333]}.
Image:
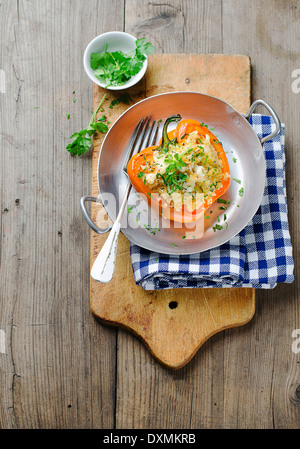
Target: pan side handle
{"type": "Point", "coordinates": [273, 114]}
{"type": "Point", "coordinates": [88, 218]}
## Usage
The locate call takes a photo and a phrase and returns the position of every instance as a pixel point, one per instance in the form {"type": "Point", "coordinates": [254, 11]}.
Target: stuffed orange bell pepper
{"type": "Point", "coordinates": [184, 174]}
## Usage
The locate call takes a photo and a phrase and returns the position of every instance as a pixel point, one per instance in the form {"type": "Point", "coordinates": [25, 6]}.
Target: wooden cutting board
{"type": "Point", "coordinates": [173, 324]}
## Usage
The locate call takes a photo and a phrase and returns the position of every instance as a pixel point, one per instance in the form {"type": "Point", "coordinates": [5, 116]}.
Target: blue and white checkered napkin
{"type": "Point", "coordinates": [260, 256]}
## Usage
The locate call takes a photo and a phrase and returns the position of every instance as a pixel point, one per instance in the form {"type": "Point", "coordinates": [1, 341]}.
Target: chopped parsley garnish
{"type": "Point", "coordinates": [124, 98]}
{"type": "Point", "coordinates": [217, 227]}
{"type": "Point", "coordinates": [151, 230]}
{"type": "Point", "coordinates": [237, 180]}
{"type": "Point", "coordinates": [173, 178]}
{"type": "Point", "coordinates": [221, 200]}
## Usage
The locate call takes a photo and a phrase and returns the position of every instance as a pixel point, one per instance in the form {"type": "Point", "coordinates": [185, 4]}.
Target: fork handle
{"type": "Point", "coordinates": [104, 265]}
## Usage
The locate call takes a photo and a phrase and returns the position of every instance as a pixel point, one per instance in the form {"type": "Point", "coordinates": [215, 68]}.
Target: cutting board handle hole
{"type": "Point", "coordinates": [173, 304]}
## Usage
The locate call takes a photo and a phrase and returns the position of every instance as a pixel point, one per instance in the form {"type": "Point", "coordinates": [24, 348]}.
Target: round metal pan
{"type": "Point", "coordinates": [247, 168]}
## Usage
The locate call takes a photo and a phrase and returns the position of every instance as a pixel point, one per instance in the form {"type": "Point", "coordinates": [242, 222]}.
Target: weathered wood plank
{"type": "Point", "coordinates": [273, 367]}
{"type": "Point", "coordinates": [59, 366]}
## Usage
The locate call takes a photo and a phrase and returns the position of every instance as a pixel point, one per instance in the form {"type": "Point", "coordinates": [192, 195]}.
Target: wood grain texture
{"type": "Point", "coordinates": [50, 367]}
{"type": "Point", "coordinates": [172, 335]}
{"type": "Point", "coordinates": [61, 369]}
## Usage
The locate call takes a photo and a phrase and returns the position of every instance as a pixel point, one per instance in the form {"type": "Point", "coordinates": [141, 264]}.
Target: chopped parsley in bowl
{"type": "Point", "coordinates": [117, 60]}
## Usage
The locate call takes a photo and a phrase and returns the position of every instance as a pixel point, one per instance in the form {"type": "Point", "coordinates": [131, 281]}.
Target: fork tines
{"type": "Point", "coordinates": [142, 137]}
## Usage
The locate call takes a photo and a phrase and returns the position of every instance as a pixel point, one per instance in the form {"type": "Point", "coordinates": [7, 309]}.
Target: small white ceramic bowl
{"type": "Point", "coordinates": [115, 40]}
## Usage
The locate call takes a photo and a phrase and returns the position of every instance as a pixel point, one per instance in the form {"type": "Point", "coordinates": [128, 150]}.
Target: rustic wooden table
{"type": "Point", "coordinates": [60, 368]}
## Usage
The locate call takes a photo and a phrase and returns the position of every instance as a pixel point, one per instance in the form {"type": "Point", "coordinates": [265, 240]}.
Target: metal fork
{"type": "Point", "coordinates": [103, 268]}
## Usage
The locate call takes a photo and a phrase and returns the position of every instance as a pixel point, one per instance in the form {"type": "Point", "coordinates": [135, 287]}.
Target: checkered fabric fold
{"type": "Point", "coordinates": [260, 256]}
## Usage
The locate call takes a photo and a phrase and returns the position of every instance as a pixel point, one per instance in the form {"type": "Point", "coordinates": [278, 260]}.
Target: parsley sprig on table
{"type": "Point", "coordinates": [116, 68]}
{"type": "Point", "coordinates": [82, 139]}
